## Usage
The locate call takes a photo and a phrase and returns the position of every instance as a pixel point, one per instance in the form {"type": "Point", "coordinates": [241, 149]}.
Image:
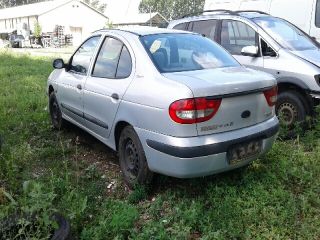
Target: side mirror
{"type": "Point", "coordinates": [250, 51]}
{"type": "Point", "coordinates": [58, 63]}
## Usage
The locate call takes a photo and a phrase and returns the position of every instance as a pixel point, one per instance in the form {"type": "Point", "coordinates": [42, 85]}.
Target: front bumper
{"type": "Point", "coordinates": [315, 94]}
{"type": "Point", "coordinates": [202, 155]}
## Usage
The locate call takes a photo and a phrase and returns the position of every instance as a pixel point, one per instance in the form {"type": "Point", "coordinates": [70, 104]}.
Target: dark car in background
{"type": "Point", "coordinates": [16, 41]}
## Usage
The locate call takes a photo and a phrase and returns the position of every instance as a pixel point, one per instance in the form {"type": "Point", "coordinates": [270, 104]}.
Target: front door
{"type": "Point", "coordinates": [105, 87]}
{"type": "Point", "coordinates": [236, 35]}
{"type": "Point", "coordinates": [73, 78]}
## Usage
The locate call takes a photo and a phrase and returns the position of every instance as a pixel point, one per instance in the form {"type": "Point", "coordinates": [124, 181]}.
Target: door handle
{"type": "Point", "coordinates": [115, 96]}
{"type": "Point", "coordinates": [79, 86]}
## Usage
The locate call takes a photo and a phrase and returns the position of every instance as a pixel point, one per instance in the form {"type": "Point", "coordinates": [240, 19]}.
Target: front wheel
{"type": "Point", "coordinates": [290, 108]}
{"type": "Point", "coordinates": [132, 158]}
{"type": "Point", "coordinates": [55, 112]}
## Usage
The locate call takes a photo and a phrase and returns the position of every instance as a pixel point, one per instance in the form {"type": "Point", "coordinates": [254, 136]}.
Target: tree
{"type": "Point", "coordinates": [172, 9]}
{"type": "Point", "coordinates": [12, 3]}
{"type": "Point", "coordinates": [37, 30]}
{"type": "Point", "coordinates": [96, 5]}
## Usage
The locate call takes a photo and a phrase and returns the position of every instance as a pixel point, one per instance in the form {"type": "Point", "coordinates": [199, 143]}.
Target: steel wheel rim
{"type": "Point", "coordinates": [55, 112]}
{"type": "Point", "coordinates": [131, 159]}
{"type": "Point", "coordinates": [288, 113]}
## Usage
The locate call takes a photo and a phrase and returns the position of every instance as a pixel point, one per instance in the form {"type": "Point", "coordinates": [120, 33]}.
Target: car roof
{"type": "Point", "coordinates": [142, 30]}
{"type": "Point", "coordinates": [248, 14]}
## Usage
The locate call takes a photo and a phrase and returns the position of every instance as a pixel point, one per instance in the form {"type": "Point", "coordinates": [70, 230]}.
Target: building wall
{"type": "Point", "coordinates": [77, 19]}
{"type": "Point", "coordinates": [9, 25]}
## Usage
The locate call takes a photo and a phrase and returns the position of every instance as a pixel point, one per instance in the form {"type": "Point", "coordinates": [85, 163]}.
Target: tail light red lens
{"type": "Point", "coordinates": [271, 95]}
{"type": "Point", "coordinates": [193, 110]}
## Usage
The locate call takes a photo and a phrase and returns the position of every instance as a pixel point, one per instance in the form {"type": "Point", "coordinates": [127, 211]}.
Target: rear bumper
{"type": "Point", "coordinates": [202, 155]}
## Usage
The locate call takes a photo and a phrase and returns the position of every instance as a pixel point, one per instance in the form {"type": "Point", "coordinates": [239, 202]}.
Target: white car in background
{"type": "Point", "coordinates": [305, 14]}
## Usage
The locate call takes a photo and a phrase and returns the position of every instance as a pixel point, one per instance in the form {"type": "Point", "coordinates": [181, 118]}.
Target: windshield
{"type": "Point", "coordinates": [286, 34]}
{"type": "Point", "coordinates": [180, 52]}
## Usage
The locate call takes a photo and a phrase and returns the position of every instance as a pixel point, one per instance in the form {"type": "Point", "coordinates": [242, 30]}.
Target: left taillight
{"type": "Point", "coordinates": [271, 95]}
{"type": "Point", "coordinates": [193, 110]}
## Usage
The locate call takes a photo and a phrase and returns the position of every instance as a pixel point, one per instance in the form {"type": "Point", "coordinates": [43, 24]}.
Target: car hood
{"type": "Point", "coordinates": [312, 56]}
{"type": "Point", "coordinates": [222, 81]}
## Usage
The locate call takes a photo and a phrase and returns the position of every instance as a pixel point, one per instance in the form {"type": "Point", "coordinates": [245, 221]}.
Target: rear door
{"type": "Point", "coordinates": [207, 28]}
{"type": "Point", "coordinates": [234, 36]}
{"type": "Point", "coordinates": [106, 85]}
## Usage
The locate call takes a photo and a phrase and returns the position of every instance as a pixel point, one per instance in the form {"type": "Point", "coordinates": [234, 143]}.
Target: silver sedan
{"type": "Point", "coordinates": [168, 101]}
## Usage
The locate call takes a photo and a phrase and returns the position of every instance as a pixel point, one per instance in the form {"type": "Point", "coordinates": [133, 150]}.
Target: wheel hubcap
{"type": "Point", "coordinates": [288, 113]}
{"type": "Point", "coordinates": [131, 159]}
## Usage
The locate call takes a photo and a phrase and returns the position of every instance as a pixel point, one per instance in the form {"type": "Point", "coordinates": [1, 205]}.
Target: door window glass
{"type": "Point", "coordinates": [267, 50]}
{"type": "Point", "coordinates": [125, 64]}
{"type": "Point", "coordinates": [113, 60]}
{"type": "Point", "coordinates": [207, 28]}
{"type": "Point", "coordinates": [181, 26]}
{"type": "Point", "coordinates": [236, 35]}
{"type": "Point", "coordinates": [81, 59]}
{"type": "Point", "coordinates": [318, 14]}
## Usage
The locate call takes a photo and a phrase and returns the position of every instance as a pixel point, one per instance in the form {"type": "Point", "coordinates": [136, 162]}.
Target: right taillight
{"type": "Point", "coordinates": [271, 95]}
{"type": "Point", "coordinates": [193, 110]}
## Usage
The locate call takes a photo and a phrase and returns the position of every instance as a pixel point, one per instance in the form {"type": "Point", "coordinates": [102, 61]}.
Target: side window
{"type": "Point", "coordinates": [81, 59]}
{"type": "Point", "coordinates": [236, 35]}
{"type": "Point", "coordinates": [181, 26]}
{"type": "Point", "coordinates": [318, 14]}
{"type": "Point", "coordinates": [267, 50]}
{"type": "Point", "coordinates": [113, 60]}
{"type": "Point", "coordinates": [125, 64]}
{"type": "Point", "coordinates": [206, 28]}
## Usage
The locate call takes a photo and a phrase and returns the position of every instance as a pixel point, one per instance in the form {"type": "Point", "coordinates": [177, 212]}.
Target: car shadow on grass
{"type": "Point", "coordinates": [93, 151]}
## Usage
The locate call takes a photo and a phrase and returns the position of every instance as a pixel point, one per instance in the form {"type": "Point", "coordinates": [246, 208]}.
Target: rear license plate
{"type": "Point", "coordinates": [243, 151]}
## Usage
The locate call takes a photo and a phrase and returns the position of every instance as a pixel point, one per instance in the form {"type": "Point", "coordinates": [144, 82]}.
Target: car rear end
{"type": "Point", "coordinates": [231, 111]}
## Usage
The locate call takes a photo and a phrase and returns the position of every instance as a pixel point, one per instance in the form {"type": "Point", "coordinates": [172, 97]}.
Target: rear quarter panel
{"type": "Point", "coordinates": [146, 105]}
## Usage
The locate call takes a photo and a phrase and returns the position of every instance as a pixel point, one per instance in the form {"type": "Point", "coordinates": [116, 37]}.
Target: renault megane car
{"type": "Point", "coordinates": [168, 101]}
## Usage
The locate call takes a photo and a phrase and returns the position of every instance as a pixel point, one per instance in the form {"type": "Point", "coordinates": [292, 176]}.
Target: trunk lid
{"type": "Point", "coordinates": [243, 101]}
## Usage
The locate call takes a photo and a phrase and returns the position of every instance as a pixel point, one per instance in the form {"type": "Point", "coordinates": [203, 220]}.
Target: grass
{"type": "Point", "coordinates": [44, 171]}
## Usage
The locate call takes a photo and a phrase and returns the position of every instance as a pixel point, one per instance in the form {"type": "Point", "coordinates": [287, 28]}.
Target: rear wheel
{"type": "Point", "coordinates": [55, 113]}
{"type": "Point", "coordinates": [133, 161]}
{"type": "Point", "coordinates": [290, 108]}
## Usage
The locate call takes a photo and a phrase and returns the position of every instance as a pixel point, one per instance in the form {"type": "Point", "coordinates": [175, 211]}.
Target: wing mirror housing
{"type": "Point", "coordinates": [58, 63]}
{"type": "Point", "coordinates": [250, 51]}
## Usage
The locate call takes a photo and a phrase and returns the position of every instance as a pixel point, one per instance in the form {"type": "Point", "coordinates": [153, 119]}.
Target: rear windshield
{"type": "Point", "coordinates": [180, 52]}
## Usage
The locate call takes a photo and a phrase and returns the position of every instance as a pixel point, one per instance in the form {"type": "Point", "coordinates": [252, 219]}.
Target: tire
{"type": "Point", "coordinates": [11, 224]}
{"type": "Point", "coordinates": [133, 162]}
{"type": "Point", "coordinates": [63, 231]}
{"type": "Point", "coordinates": [290, 108]}
{"type": "Point", "coordinates": [55, 113]}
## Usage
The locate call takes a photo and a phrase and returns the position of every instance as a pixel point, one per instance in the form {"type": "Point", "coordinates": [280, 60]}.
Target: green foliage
{"type": "Point", "coordinates": [172, 9]}
{"type": "Point", "coordinates": [109, 25]}
{"type": "Point", "coordinates": [13, 3]}
{"type": "Point", "coordinates": [115, 221]}
{"type": "Point", "coordinates": [32, 213]}
{"type": "Point", "coordinates": [96, 4]}
{"type": "Point", "coordinates": [139, 194]}
{"type": "Point", "coordinates": [43, 171]}
{"type": "Point", "coordinates": [37, 30]}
